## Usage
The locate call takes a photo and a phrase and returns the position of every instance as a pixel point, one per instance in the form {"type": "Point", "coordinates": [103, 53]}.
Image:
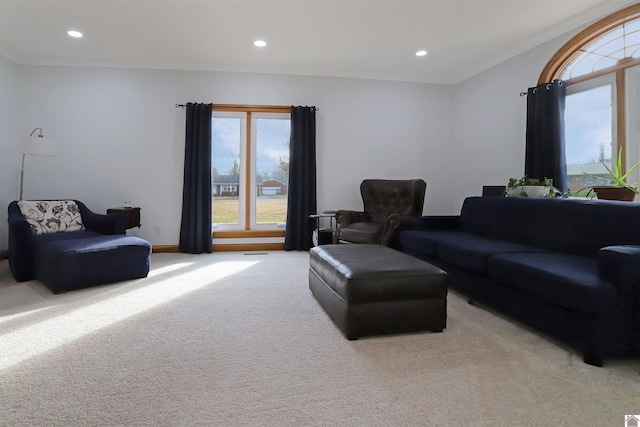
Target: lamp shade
{"type": "Point", "coordinates": [39, 146]}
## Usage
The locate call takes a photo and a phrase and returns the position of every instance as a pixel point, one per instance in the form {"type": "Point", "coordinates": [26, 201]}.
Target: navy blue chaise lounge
{"type": "Point", "coordinates": [66, 246]}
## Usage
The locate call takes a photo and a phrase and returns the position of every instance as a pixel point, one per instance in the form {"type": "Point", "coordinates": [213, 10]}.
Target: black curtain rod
{"type": "Point", "coordinates": [548, 86]}
{"type": "Point", "coordinates": [184, 105]}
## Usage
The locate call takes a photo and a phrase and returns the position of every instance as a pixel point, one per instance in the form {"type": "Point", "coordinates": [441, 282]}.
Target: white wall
{"type": "Point", "coordinates": [120, 135]}
{"type": "Point", "coordinates": [10, 155]}
{"type": "Point", "coordinates": [490, 121]}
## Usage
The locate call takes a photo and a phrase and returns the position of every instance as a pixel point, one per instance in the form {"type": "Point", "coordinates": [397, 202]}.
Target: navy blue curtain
{"type": "Point", "coordinates": [195, 227]}
{"type": "Point", "coordinates": [545, 155]}
{"type": "Point", "coordinates": [301, 199]}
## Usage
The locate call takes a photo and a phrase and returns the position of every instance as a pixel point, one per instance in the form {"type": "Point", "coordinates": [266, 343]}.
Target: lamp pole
{"type": "Point", "coordinates": [37, 145]}
{"type": "Point", "coordinates": [22, 175]}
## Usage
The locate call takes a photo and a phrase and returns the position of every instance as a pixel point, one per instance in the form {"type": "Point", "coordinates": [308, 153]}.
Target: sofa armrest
{"type": "Point", "coordinates": [20, 245]}
{"type": "Point", "coordinates": [394, 223]}
{"type": "Point", "coordinates": [438, 222]}
{"type": "Point", "coordinates": [620, 265]}
{"type": "Point", "coordinates": [346, 217]}
{"type": "Point", "coordinates": [101, 223]}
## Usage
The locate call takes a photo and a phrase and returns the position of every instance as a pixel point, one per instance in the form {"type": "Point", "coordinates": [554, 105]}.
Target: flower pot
{"type": "Point", "coordinates": [615, 193]}
{"type": "Point", "coordinates": [535, 191]}
{"type": "Point", "coordinates": [532, 191]}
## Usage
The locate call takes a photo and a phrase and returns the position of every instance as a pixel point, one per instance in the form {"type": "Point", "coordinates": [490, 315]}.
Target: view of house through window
{"type": "Point", "coordinates": [250, 169]}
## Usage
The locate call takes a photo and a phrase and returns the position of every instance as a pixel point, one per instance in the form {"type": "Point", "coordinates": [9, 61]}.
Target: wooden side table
{"type": "Point", "coordinates": [131, 216]}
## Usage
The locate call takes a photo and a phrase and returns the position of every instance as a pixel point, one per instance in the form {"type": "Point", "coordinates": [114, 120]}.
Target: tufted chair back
{"type": "Point", "coordinates": [383, 197]}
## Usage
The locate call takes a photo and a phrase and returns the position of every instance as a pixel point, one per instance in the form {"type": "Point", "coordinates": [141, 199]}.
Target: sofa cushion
{"type": "Point", "coordinates": [575, 226]}
{"type": "Point", "coordinates": [53, 237]}
{"type": "Point", "coordinates": [566, 280]}
{"type": "Point", "coordinates": [472, 252]}
{"type": "Point", "coordinates": [51, 216]}
{"type": "Point", "coordinates": [424, 241]}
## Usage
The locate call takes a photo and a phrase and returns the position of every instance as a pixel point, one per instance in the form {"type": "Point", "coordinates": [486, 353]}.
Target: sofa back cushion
{"type": "Point", "coordinates": [51, 216]}
{"type": "Point", "coordinates": [566, 225]}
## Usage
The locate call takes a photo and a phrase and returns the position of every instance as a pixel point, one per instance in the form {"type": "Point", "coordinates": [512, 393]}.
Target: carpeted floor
{"type": "Point", "coordinates": [232, 339]}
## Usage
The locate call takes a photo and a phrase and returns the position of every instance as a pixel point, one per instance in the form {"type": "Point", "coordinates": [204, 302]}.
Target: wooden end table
{"type": "Point", "coordinates": [131, 216]}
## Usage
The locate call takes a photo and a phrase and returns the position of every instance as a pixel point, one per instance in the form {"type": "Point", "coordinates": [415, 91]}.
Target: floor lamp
{"type": "Point", "coordinates": [37, 146]}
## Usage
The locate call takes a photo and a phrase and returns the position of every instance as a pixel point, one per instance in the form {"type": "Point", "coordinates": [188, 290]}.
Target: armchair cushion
{"type": "Point", "coordinates": [51, 216]}
{"type": "Point", "coordinates": [362, 232]}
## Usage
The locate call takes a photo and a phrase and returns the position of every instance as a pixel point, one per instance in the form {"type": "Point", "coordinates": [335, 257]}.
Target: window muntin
{"type": "Point", "coordinates": [616, 46]}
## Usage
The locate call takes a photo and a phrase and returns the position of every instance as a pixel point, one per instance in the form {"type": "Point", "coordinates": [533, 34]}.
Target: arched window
{"type": "Point", "coordinates": [615, 47]}
{"type": "Point", "coordinates": [601, 69]}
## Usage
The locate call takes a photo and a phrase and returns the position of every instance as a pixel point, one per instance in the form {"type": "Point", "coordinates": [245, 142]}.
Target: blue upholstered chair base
{"type": "Point", "coordinates": [64, 265]}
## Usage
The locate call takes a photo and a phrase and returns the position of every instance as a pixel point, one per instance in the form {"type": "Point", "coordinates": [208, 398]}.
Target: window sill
{"type": "Point", "coordinates": [234, 234]}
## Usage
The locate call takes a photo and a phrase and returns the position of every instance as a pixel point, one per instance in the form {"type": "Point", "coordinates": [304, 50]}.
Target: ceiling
{"type": "Point", "coordinates": [340, 38]}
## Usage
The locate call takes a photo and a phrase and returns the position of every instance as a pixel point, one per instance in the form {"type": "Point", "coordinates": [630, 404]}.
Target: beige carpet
{"type": "Point", "coordinates": [230, 339]}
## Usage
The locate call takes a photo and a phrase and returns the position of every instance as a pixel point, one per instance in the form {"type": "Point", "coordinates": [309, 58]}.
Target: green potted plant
{"type": "Point", "coordinates": [618, 189]}
{"type": "Point", "coordinates": [531, 187]}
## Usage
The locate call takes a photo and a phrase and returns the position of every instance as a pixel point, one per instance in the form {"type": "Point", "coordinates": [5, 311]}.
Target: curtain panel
{"type": "Point", "coordinates": [301, 199]}
{"type": "Point", "coordinates": [545, 152]}
{"type": "Point", "coordinates": [195, 226]}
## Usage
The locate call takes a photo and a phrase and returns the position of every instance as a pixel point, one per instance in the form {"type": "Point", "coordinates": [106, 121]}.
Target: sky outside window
{"type": "Point", "coordinates": [273, 137]}
{"type": "Point", "coordinates": [272, 147]}
{"type": "Point", "coordinates": [225, 134]}
{"type": "Point", "coordinates": [588, 126]}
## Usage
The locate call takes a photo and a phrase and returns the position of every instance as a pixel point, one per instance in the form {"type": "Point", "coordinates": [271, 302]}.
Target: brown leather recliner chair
{"type": "Point", "coordinates": [389, 205]}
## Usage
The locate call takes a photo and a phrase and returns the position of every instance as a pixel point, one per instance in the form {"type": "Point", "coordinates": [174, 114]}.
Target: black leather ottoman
{"type": "Point", "coordinates": [372, 289]}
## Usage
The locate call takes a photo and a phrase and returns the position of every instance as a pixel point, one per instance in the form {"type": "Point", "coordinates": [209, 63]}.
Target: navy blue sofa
{"type": "Point", "coordinates": [65, 260]}
{"type": "Point", "coordinates": [569, 267]}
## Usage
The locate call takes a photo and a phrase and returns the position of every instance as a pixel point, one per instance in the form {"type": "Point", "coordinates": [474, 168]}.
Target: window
{"type": "Point", "coordinates": [589, 132]}
{"type": "Point", "coordinates": [601, 69]}
{"type": "Point", "coordinates": [250, 167]}
{"type": "Point", "coordinates": [633, 123]}
{"type": "Point", "coordinates": [617, 46]}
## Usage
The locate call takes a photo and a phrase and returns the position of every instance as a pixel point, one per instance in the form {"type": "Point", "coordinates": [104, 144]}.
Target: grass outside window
{"type": "Point", "coordinates": [271, 210]}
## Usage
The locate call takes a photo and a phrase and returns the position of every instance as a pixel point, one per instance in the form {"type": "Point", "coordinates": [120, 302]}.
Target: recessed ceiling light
{"type": "Point", "coordinates": [421, 53]}
{"type": "Point", "coordinates": [260, 43]}
{"type": "Point", "coordinates": [74, 33]}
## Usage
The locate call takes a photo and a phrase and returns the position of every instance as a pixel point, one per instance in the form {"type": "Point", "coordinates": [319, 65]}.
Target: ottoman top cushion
{"type": "Point", "coordinates": [369, 273]}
